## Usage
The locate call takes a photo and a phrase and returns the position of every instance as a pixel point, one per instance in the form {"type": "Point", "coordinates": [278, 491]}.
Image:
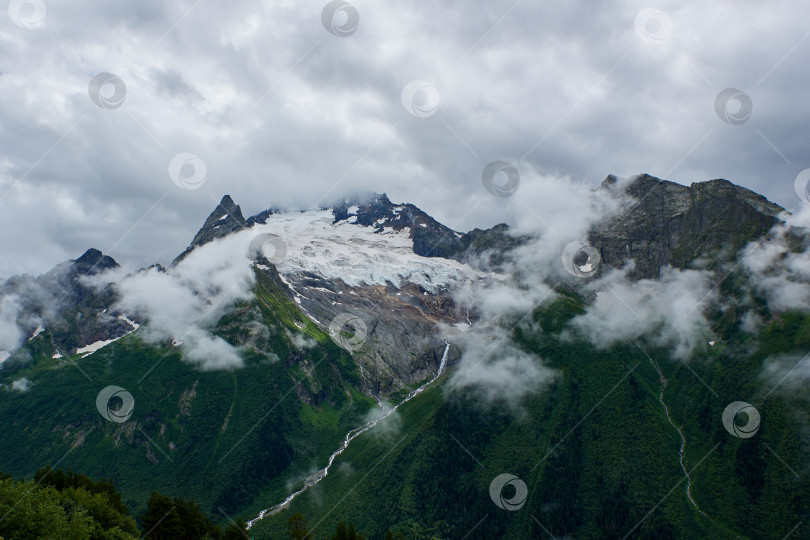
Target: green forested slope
{"type": "Point", "coordinates": [595, 449]}
{"type": "Point", "coordinates": [220, 437]}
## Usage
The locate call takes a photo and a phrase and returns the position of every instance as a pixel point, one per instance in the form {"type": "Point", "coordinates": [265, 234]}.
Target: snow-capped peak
{"type": "Point", "coordinates": [356, 254]}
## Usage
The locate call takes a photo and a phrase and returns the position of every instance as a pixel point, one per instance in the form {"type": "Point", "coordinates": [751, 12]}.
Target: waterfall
{"type": "Point", "coordinates": [350, 436]}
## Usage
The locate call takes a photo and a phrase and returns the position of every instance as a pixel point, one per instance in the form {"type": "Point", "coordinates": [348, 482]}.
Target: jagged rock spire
{"type": "Point", "coordinates": [224, 220]}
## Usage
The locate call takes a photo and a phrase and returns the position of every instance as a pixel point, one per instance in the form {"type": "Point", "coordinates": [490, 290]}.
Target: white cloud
{"type": "Point", "coordinates": [181, 303]}
{"type": "Point", "coordinates": [751, 323]}
{"type": "Point", "coordinates": [669, 310]}
{"type": "Point", "coordinates": [10, 334]}
{"type": "Point", "coordinates": [552, 212]}
{"type": "Point", "coordinates": [778, 273]}
{"type": "Point", "coordinates": [302, 341]}
{"type": "Point", "coordinates": [323, 113]}
{"type": "Point", "coordinates": [790, 372]}
{"type": "Point", "coordinates": [389, 423]}
{"type": "Point", "coordinates": [497, 370]}
{"type": "Point", "coordinates": [21, 385]}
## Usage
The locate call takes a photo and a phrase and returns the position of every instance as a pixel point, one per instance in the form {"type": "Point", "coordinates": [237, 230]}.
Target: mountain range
{"type": "Point", "coordinates": [364, 362]}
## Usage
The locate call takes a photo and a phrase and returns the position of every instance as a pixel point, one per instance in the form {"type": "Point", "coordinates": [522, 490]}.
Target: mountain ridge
{"type": "Point", "coordinates": [673, 224]}
{"type": "Point", "coordinates": [668, 224]}
{"type": "Point", "coordinates": [352, 316]}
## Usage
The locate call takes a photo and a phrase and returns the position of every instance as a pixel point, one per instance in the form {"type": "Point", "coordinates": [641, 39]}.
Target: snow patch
{"type": "Point", "coordinates": [321, 289]}
{"type": "Point", "coordinates": [358, 255]}
{"type": "Point", "coordinates": [132, 323]}
{"type": "Point", "coordinates": [93, 347]}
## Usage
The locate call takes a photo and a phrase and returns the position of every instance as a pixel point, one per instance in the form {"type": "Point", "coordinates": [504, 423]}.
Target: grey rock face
{"type": "Point", "coordinates": [75, 312]}
{"type": "Point", "coordinates": [672, 224]}
{"type": "Point", "coordinates": [666, 224]}
{"type": "Point", "coordinates": [431, 238]}
{"type": "Point", "coordinates": [224, 220]}
{"type": "Point", "coordinates": [403, 344]}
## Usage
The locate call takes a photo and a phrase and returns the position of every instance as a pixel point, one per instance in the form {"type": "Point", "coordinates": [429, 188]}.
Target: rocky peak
{"type": "Point", "coordinates": [672, 224]}
{"type": "Point", "coordinates": [723, 188]}
{"type": "Point", "coordinates": [430, 238]}
{"type": "Point", "coordinates": [93, 262]}
{"type": "Point", "coordinates": [64, 302]}
{"type": "Point", "coordinates": [224, 220]}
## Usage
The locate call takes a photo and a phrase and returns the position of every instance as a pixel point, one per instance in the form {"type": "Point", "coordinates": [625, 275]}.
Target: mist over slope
{"type": "Point", "coordinates": [604, 334]}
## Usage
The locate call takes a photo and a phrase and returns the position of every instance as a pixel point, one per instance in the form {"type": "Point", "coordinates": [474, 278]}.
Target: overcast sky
{"type": "Point", "coordinates": [284, 112]}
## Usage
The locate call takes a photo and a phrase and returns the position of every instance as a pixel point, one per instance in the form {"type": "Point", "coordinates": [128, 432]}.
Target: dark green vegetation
{"type": "Point", "coordinates": [170, 518]}
{"type": "Point", "coordinates": [594, 446]}
{"type": "Point", "coordinates": [59, 505]}
{"type": "Point", "coordinates": [66, 505]}
{"type": "Point", "coordinates": [595, 449]}
{"type": "Point", "coordinates": [298, 529]}
{"type": "Point", "coordinates": [231, 440]}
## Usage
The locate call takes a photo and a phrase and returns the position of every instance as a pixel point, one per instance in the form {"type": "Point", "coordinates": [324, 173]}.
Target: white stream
{"type": "Point", "coordinates": [350, 436]}
{"type": "Point", "coordinates": [663, 381]}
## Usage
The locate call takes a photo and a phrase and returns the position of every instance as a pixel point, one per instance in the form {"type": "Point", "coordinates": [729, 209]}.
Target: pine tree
{"type": "Point", "coordinates": [297, 528]}
{"type": "Point", "coordinates": [159, 520]}
{"type": "Point", "coordinates": [236, 531]}
{"type": "Point", "coordinates": [353, 534]}
{"type": "Point", "coordinates": [341, 533]}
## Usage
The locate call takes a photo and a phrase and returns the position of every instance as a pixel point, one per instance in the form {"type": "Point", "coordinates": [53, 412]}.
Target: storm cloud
{"type": "Point", "coordinates": [282, 112]}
